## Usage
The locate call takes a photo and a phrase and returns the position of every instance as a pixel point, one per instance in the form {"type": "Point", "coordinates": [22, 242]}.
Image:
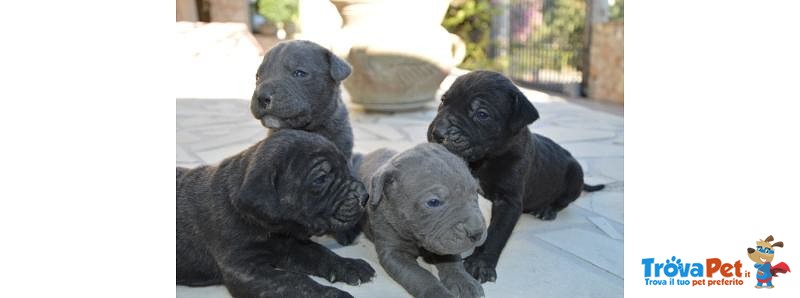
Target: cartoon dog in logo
{"type": "Point", "coordinates": [763, 255]}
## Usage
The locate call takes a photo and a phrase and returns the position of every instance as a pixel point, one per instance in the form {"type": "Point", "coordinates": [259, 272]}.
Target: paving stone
{"type": "Point", "coordinates": [184, 136]}
{"type": "Point", "coordinates": [606, 202]}
{"type": "Point", "coordinates": [363, 135]}
{"type": "Point", "coordinates": [612, 167]}
{"type": "Point", "coordinates": [183, 155]}
{"type": "Point", "coordinates": [369, 146]}
{"type": "Point", "coordinates": [387, 132]}
{"type": "Point", "coordinates": [402, 119]}
{"type": "Point", "coordinates": [593, 149]}
{"type": "Point", "coordinates": [416, 133]}
{"type": "Point", "coordinates": [224, 139]}
{"type": "Point", "coordinates": [605, 226]}
{"type": "Point", "coordinates": [598, 249]}
{"type": "Point", "coordinates": [549, 272]}
{"type": "Point", "coordinates": [566, 134]}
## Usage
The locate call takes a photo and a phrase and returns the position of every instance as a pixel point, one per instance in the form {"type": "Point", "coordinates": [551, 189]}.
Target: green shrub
{"type": "Point", "coordinates": [279, 12]}
{"type": "Point", "coordinates": [471, 20]}
{"type": "Point", "coordinates": [617, 11]}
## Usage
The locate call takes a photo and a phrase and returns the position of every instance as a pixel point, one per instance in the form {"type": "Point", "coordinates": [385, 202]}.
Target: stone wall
{"type": "Point", "coordinates": [606, 69]}
{"type": "Point", "coordinates": [236, 11]}
{"type": "Point", "coordinates": [224, 11]}
{"type": "Point", "coordinates": [186, 10]}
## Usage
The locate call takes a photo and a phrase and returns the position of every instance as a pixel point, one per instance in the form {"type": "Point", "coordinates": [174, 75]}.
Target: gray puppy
{"type": "Point", "coordinates": [246, 222]}
{"type": "Point", "coordinates": [298, 87]}
{"type": "Point", "coordinates": [484, 119]}
{"type": "Point", "coordinates": [424, 202]}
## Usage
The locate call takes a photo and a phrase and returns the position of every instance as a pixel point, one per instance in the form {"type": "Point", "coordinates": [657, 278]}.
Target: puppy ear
{"type": "Point", "coordinates": [339, 68]}
{"type": "Point", "coordinates": [778, 244]}
{"type": "Point", "coordinates": [256, 195]}
{"type": "Point", "coordinates": [383, 176]}
{"type": "Point", "coordinates": [523, 112]}
{"type": "Point", "coordinates": [769, 238]}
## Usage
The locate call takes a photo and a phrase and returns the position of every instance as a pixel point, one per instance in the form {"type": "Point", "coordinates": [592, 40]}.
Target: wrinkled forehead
{"type": "Point", "coordinates": [426, 171]}
{"type": "Point", "coordinates": [470, 95]}
{"type": "Point", "coordinates": [303, 151]}
{"type": "Point", "coordinates": [293, 55]}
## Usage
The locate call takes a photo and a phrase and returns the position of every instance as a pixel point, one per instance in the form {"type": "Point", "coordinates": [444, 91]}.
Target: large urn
{"type": "Point", "coordinates": [399, 51]}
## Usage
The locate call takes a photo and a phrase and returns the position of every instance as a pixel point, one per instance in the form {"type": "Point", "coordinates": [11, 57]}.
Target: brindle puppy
{"type": "Point", "coordinates": [246, 222]}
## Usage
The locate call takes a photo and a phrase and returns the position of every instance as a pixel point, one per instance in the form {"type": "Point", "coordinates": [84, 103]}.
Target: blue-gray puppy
{"type": "Point", "coordinates": [298, 87]}
{"type": "Point", "coordinates": [423, 202]}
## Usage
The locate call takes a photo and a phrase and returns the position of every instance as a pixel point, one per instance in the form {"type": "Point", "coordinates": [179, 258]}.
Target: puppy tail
{"type": "Point", "coordinates": [591, 188]}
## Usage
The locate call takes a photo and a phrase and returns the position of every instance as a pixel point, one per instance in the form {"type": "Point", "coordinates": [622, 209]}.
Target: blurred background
{"type": "Point", "coordinates": [570, 48]}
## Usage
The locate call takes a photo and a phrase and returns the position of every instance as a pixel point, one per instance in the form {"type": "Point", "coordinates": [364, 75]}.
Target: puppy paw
{"type": "Point", "coordinates": [545, 213]}
{"type": "Point", "coordinates": [351, 271]}
{"type": "Point", "coordinates": [463, 286]}
{"type": "Point", "coordinates": [480, 269]}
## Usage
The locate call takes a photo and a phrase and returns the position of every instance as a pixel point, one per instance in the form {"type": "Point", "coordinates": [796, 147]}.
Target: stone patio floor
{"type": "Point", "coordinates": [580, 254]}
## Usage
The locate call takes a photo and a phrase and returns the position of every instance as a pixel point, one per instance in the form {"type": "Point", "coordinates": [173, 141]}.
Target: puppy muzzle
{"type": "Point", "coordinates": [351, 208]}
{"type": "Point", "coordinates": [272, 122]}
{"type": "Point", "coordinates": [456, 240]}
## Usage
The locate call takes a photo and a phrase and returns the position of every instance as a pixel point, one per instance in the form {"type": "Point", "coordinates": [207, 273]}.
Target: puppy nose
{"type": "Point", "coordinates": [750, 250]}
{"type": "Point", "coordinates": [265, 100]}
{"type": "Point", "coordinates": [475, 235]}
{"type": "Point", "coordinates": [438, 133]}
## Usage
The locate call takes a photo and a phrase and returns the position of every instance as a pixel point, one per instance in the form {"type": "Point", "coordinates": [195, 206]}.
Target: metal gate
{"type": "Point", "coordinates": [547, 45]}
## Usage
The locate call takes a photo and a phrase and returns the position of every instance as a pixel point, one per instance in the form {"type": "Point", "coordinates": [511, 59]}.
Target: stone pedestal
{"type": "Point", "coordinates": [606, 71]}
{"type": "Point", "coordinates": [186, 10]}
{"type": "Point", "coordinates": [399, 51]}
{"type": "Point", "coordinates": [233, 11]}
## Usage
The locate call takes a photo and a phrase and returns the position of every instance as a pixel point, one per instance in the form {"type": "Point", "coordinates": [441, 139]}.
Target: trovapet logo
{"type": "Point", "coordinates": [674, 272]}
{"type": "Point", "coordinates": [763, 255]}
{"type": "Point", "coordinates": [716, 272]}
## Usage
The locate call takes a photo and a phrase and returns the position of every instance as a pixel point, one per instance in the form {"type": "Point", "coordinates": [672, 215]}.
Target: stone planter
{"type": "Point", "coordinates": [399, 51]}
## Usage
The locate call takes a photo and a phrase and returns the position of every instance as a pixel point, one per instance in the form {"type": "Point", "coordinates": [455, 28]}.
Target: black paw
{"type": "Point", "coordinates": [545, 213]}
{"type": "Point", "coordinates": [480, 269]}
{"type": "Point", "coordinates": [351, 271]}
{"type": "Point", "coordinates": [347, 237]}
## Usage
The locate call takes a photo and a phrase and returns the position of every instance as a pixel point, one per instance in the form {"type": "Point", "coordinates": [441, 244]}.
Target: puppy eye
{"type": "Point", "coordinates": [482, 115]}
{"type": "Point", "coordinates": [319, 180]}
{"type": "Point", "coordinates": [433, 203]}
{"type": "Point", "coordinates": [299, 74]}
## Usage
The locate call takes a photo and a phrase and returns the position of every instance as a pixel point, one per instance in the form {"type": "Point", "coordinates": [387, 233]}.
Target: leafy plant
{"type": "Point", "coordinates": [471, 20]}
{"type": "Point", "coordinates": [617, 11]}
{"type": "Point", "coordinates": [279, 12]}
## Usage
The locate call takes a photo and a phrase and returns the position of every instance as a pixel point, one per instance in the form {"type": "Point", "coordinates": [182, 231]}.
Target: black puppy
{"type": "Point", "coordinates": [484, 119]}
{"type": "Point", "coordinates": [246, 222]}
